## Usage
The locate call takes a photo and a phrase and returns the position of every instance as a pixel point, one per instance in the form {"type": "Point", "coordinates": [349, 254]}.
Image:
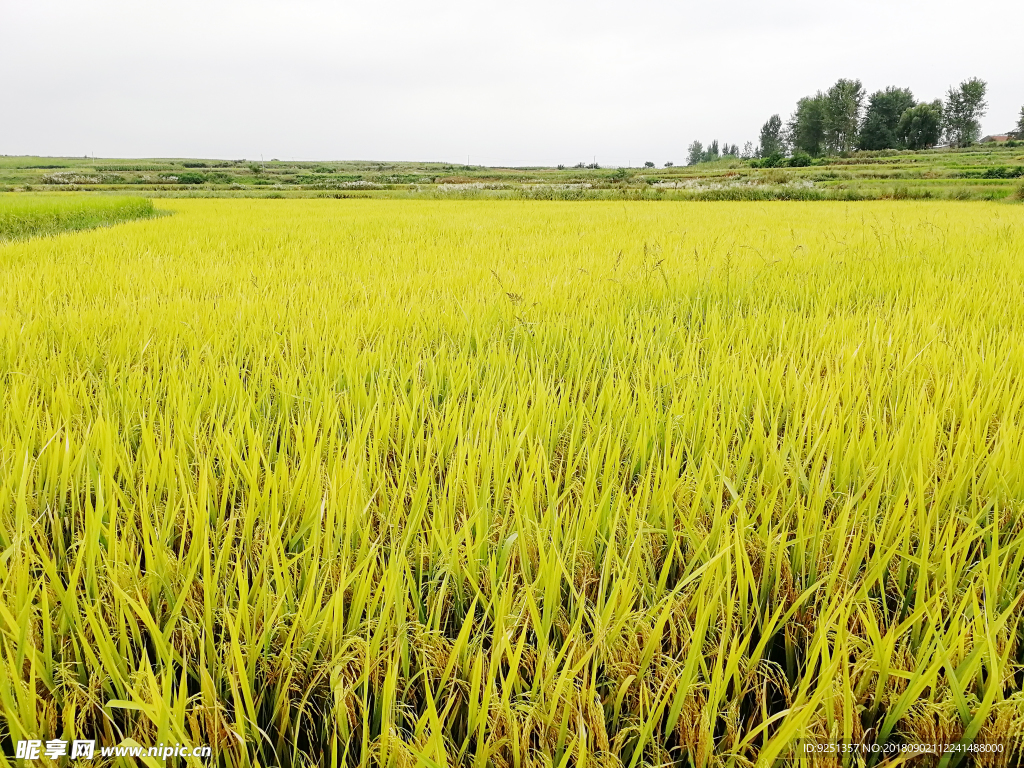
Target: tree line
{"type": "Point", "coordinates": [846, 118]}
{"type": "Point", "coordinates": [698, 153]}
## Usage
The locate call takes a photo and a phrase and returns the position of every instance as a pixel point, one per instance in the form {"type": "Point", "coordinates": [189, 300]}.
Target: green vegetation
{"type": "Point", "coordinates": [32, 215]}
{"type": "Point", "coordinates": [885, 111]}
{"type": "Point", "coordinates": [920, 126]}
{"type": "Point", "coordinates": [698, 154]}
{"type": "Point", "coordinates": [833, 122]}
{"type": "Point", "coordinates": [963, 111]}
{"type": "Point", "coordinates": [772, 141]}
{"type": "Point", "coordinates": [806, 129]}
{"type": "Point", "coordinates": [1018, 132]}
{"type": "Point", "coordinates": [982, 172]}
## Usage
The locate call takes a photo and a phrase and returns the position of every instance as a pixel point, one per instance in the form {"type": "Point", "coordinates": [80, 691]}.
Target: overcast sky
{"type": "Point", "coordinates": [515, 83]}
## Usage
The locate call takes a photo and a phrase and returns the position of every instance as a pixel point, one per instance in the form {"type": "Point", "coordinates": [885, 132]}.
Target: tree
{"type": "Point", "coordinates": [806, 127]}
{"type": "Point", "coordinates": [920, 127]}
{"type": "Point", "coordinates": [669, 164]}
{"type": "Point", "coordinates": [1018, 132]}
{"type": "Point", "coordinates": [882, 117]}
{"type": "Point", "coordinates": [965, 106]}
{"type": "Point", "coordinates": [648, 164]}
{"type": "Point", "coordinates": [842, 115]}
{"type": "Point", "coordinates": [712, 154]}
{"type": "Point", "coordinates": [748, 151]}
{"type": "Point", "coordinates": [695, 154]}
{"type": "Point", "coordinates": [771, 137]}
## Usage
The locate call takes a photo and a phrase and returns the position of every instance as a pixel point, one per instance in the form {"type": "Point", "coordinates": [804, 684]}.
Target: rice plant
{"type": "Point", "coordinates": [32, 216]}
{"type": "Point", "coordinates": [515, 483]}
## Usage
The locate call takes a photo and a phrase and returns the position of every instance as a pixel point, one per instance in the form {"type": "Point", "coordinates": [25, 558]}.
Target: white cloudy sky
{"type": "Point", "coordinates": [529, 82]}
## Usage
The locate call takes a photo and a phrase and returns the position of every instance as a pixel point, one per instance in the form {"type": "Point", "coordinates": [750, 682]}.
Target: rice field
{"type": "Point", "coordinates": [37, 215]}
{"type": "Point", "coordinates": [516, 484]}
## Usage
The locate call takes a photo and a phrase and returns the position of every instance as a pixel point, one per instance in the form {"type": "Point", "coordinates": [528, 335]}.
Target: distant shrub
{"type": "Point", "coordinates": [134, 167]}
{"type": "Point", "coordinates": [648, 164]}
{"type": "Point", "coordinates": [68, 177]}
{"type": "Point", "coordinates": [191, 178]}
{"type": "Point", "coordinates": [800, 160]}
{"type": "Point", "coordinates": [326, 182]}
{"type": "Point", "coordinates": [1004, 172]}
{"type": "Point", "coordinates": [774, 160]}
{"type": "Point", "coordinates": [194, 164]}
{"type": "Point", "coordinates": [337, 182]}
{"type": "Point", "coordinates": [396, 178]}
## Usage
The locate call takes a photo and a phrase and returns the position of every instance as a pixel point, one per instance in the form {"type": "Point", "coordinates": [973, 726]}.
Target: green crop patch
{"type": "Point", "coordinates": [30, 216]}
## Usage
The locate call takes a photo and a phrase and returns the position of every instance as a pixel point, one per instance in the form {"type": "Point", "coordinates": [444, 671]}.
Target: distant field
{"type": "Point", "coordinates": [436, 483]}
{"type": "Point", "coordinates": [984, 172]}
{"type": "Point", "coordinates": [33, 215]}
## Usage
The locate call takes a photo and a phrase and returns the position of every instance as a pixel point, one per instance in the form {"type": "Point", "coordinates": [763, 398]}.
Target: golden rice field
{"type": "Point", "coordinates": [516, 484]}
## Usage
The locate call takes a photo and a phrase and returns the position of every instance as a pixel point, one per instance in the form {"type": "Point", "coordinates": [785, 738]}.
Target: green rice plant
{"type": "Point", "coordinates": [515, 483]}
{"type": "Point", "coordinates": [31, 216]}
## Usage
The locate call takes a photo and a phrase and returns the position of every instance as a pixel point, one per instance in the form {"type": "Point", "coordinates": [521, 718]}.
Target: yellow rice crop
{"type": "Point", "coordinates": [514, 484]}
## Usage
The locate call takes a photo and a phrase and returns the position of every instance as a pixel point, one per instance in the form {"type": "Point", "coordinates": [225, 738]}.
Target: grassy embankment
{"type": "Point", "coordinates": [514, 484]}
